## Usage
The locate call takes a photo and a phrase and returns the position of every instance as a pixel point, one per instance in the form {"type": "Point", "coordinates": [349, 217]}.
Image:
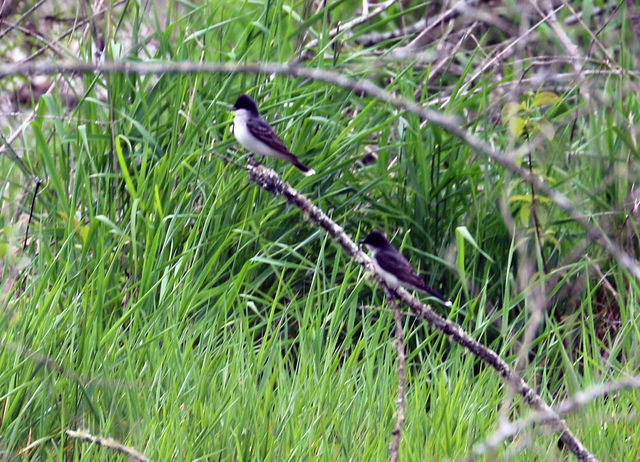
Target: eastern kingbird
{"type": "Point", "coordinates": [394, 268]}
{"type": "Point", "coordinates": [257, 136]}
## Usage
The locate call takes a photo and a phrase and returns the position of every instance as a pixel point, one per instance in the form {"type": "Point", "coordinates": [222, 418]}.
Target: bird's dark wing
{"type": "Point", "coordinates": [263, 131]}
{"type": "Point", "coordinates": [393, 262]}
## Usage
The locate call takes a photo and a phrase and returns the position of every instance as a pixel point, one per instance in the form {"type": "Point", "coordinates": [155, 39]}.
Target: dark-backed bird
{"type": "Point", "coordinates": [255, 134]}
{"type": "Point", "coordinates": [394, 268]}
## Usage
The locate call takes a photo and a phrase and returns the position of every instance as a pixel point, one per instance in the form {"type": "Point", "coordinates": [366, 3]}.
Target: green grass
{"type": "Point", "coordinates": [167, 302]}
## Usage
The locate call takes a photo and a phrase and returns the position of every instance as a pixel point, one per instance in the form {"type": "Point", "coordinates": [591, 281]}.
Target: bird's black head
{"type": "Point", "coordinates": [245, 102]}
{"type": "Point", "coordinates": [375, 239]}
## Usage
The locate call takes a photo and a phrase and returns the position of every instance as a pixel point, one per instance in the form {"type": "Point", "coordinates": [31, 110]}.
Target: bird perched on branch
{"type": "Point", "coordinates": [255, 134]}
{"type": "Point", "coordinates": [395, 270]}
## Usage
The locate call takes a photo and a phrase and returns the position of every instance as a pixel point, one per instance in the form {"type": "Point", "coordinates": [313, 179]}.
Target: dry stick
{"type": "Point", "coordinates": [21, 18]}
{"type": "Point", "coordinates": [464, 8]}
{"type": "Point", "coordinates": [16, 158]}
{"type": "Point", "coordinates": [633, 16]}
{"type": "Point", "coordinates": [402, 382]}
{"type": "Point", "coordinates": [503, 52]}
{"type": "Point", "coordinates": [536, 302]}
{"type": "Point", "coordinates": [534, 83]}
{"type": "Point", "coordinates": [438, 67]}
{"type": "Point", "coordinates": [534, 212]}
{"type": "Point", "coordinates": [445, 16]}
{"type": "Point", "coordinates": [347, 26]}
{"type": "Point", "coordinates": [579, 62]}
{"type": "Point", "coordinates": [582, 398]}
{"type": "Point", "coordinates": [47, 43]}
{"type": "Point", "coordinates": [33, 205]}
{"type": "Point", "coordinates": [449, 123]}
{"type": "Point", "coordinates": [108, 443]}
{"type": "Point", "coordinates": [373, 38]}
{"type": "Point", "coordinates": [610, 61]}
{"type": "Point", "coordinates": [269, 180]}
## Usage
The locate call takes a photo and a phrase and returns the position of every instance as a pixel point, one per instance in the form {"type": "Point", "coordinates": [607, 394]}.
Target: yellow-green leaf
{"type": "Point", "coordinates": [525, 211]}
{"type": "Point", "coordinates": [123, 165]}
{"type": "Point", "coordinates": [545, 97]}
{"type": "Point", "coordinates": [526, 198]}
{"type": "Point", "coordinates": [509, 110]}
{"type": "Point", "coordinates": [516, 125]}
{"type": "Point", "coordinates": [83, 232]}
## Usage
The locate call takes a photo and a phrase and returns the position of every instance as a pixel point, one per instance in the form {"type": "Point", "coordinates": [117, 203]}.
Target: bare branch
{"type": "Point", "coordinates": [108, 443]}
{"type": "Point", "coordinates": [580, 399]}
{"type": "Point", "coordinates": [270, 181]}
{"type": "Point", "coordinates": [362, 86]}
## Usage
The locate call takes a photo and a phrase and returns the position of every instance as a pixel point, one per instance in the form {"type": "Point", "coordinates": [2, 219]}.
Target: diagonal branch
{"type": "Point", "coordinates": [362, 86]}
{"type": "Point", "coordinates": [270, 181]}
{"type": "Point", "coordinates": [108, 443]}
{"type": "Point", "coordinates": [580, 399]}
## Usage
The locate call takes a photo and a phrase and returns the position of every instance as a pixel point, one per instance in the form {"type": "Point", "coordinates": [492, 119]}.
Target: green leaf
{"type": "Point", "coordinates": [83, 232]}
{"type": "Point", "coordinates": [460, 255]}
{"type": "Point", "coordinates": [463, 232]}
{"type": "Point", "coordinates": [626, 139]}
{"type": "Point", "coordinates": [123, 166]}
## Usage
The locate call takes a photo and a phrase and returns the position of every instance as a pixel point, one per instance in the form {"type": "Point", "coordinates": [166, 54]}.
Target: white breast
{"type": "Point", "coordinates": [249, 141]}
{"type": "Point", "coordinates": [389, 278]}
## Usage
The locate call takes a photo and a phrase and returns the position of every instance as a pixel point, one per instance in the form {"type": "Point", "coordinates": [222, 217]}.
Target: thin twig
{"type": "Point", "coordinates": [346, 27]}
{"type": "Point", "coordinates": [14, 156]}
{"type": "Point", "coordinates": [75, 27]}
{"type": "Point", "coordinates": [534, 212]}
{"type": "Point", "coordinates": [108, 443]}
{"type": "Point", "coordinates": [634, 18]}
{"type": "Point", "coordinates": [47, 43]}
{"type": "Point", "coordinates": [362, 86]}
{"type": "Point", "coordinates": [402, 381]}
{"type": "Point", "coordinates": [536, 302]}
{"type": "Point", "coordinates": [24, 16]}
{"type": "Point", "coordinates": [373, 38]}
{"type": "Point", "coordinates": [270, 181]}
{"type": "Point", "coordinates": [33, 205]}
{"type": "Point", "coordinates": [503, 52]}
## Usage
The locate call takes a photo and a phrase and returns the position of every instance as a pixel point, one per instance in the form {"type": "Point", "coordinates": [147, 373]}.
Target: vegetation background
{"type": "Point", "coordinates": [164, 301]}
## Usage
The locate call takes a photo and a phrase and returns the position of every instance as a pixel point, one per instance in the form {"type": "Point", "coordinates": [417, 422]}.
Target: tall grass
{"type": "Point", "coordinates": [166, 302]}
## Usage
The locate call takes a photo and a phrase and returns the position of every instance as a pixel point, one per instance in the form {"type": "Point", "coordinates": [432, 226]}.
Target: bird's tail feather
{"type": "Point", "coordinates": [434, 293]}
{"type": "Point", "coordinates": [300, 166]}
